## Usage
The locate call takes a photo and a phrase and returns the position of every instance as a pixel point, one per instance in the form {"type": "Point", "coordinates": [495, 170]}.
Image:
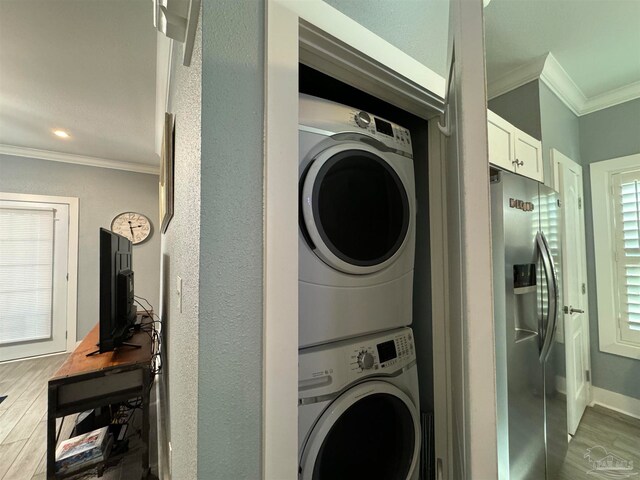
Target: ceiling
{"type": "Point", "coordinates": [596, 42]}
{"type": "Point", "coordinates": [84, 66]}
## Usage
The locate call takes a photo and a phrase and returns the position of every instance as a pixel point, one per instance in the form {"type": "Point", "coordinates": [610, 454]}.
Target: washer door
{"type": "Point", "coordinates": [370, 431]}
{"type": "Point", "coordinates": [355, 209]}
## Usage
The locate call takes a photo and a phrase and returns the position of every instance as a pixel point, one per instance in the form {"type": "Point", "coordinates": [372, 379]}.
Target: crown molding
{"type": "Point", "coordinates": [554, 76]}
{"type": "Point", "coordinates": [612, 97]}
{"type": "Point", "coordinates": [77, 159]}
{"type": "Point", "coordinates": [562, 85]}
{"type": "Point", "coordinates": [516, 78]}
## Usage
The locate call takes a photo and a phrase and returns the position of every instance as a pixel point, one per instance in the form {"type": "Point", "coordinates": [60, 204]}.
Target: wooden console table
{"type": "Point", "coordinates": [83, 383]}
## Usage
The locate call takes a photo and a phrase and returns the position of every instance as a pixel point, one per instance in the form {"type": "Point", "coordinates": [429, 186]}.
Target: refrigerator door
{"type": "Point", "coordinates": [520, 387]}
{"type": "Point", "coordinates": [556, 440]}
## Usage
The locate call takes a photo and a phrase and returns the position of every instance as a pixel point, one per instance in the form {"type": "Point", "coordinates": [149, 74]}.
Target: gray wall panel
{"type": "Point", "coordinates": [605, 134]}
{"type": "Point", "coordinates": [103, 193]}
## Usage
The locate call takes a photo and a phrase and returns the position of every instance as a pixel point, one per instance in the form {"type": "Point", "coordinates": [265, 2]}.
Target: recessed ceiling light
{"type": "Point", "coordinates": [61, 133]}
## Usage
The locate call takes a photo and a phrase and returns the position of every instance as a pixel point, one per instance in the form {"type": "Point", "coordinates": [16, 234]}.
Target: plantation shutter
{"type": "Point", "coordinates": [26, 274]}
{"type": "Point", "coordinates": [626, 190]}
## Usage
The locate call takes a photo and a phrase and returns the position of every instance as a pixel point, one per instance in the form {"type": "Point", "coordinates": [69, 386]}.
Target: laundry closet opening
{"type": "Point", "coordinates": [374, 247]}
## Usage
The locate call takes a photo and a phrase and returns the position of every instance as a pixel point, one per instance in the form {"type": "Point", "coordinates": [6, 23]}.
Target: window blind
{"type": "Point", "coordinates": [26, 274]}
{"type": "Point", "coordinates": [550, 226]}
{"type": "Point", "coordinates": [626, 187]}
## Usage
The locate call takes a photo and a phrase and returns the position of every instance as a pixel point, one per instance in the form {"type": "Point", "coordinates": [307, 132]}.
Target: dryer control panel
{"type": "Point", "coordinates": [334, 118]}
{"type": "Point", "coordinates": [330, 368]}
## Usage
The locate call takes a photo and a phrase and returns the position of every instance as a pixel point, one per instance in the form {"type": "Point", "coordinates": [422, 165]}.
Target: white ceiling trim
{"type": "Point", "coordinates": [611, 98]}
{"type": "Point", "coordinates": [516, 78]}
{"type": "Point", "coordinates": [77, 159]}
{"type": "Point", "coordinates": [559, 82]}
{"type": "Point", "coordinates": [548, 70]}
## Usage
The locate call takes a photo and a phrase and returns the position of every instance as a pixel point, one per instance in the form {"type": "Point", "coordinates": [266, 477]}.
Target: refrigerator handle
{"type": "Point", "coordinates": [556, 291]}
{"type": "Point", "coordinates": [552, 312]}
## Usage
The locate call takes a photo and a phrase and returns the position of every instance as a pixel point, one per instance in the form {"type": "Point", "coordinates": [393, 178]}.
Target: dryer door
{"type": "Point", "coordinates": [370, 431]}
{"type": "Point", "coordinates": [355, 208]}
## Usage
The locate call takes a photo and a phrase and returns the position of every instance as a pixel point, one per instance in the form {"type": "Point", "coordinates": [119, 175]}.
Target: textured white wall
{"type": "Point", "coordinates": [103, 193]}
{"type": "Point", "coordinates": [180, 256]}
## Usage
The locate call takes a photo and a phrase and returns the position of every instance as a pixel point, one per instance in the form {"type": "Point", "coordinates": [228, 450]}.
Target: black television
{"type": "Point", "coordinates": [117, 308]}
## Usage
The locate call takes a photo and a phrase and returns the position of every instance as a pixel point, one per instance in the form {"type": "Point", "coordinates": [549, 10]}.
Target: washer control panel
{"type": "Point", "coordinates": [329, 368]}
{"type": "Point", "coordinates": [387, 354]}
{"type": "Point", "coordinates": [333, 118]}
{"type": "Point", "coordinates": [389, 133]}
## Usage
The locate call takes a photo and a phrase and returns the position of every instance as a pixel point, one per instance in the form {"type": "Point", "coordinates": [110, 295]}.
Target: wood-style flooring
{"type": "Point", "coordinates": [613, 432]}
{"type": "Point", "coordinates": [23, 426]}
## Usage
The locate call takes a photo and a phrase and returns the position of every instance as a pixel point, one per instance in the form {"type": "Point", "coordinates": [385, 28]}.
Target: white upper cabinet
{"type": "Point", "coordinates": [513, 150]}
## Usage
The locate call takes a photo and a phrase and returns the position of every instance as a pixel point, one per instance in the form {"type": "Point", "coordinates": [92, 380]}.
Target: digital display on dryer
{"type": "Point", "coordinates": [386, 351]}
{"type": "Point", "coordinates": [384, 127]}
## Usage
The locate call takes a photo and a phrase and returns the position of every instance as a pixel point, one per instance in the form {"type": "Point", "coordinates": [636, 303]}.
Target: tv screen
{"type": "Point", "coordinates": [117, 310]}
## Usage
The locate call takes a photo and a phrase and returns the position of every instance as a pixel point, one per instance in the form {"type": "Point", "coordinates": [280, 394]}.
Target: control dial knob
{"type": "Point", "coordinates": [363, 119]}
{"type": "Point", "coordinates": [365, 360]}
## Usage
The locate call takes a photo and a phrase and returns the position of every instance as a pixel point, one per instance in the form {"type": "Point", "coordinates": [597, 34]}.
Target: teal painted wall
{"type": "Point", "coordinates": [420, 28]}
{"type": "Point", "coordinates": [521, 108]}
{"type": "Point", "coordinates": [609, 133]}
{"type": "Point", "coordinates": [231, 242]}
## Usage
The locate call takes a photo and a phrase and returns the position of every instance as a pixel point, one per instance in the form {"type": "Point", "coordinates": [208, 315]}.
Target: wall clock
{"type": "Point", "coordinates": [135, 226]}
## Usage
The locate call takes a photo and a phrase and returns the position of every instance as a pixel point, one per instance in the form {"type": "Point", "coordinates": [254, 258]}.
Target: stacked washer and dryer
{"type": "Point", "coordinates": [358, 383]}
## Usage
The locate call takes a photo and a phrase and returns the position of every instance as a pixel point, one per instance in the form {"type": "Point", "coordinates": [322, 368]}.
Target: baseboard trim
{"type": "Point", "coordinates": [615, 401]}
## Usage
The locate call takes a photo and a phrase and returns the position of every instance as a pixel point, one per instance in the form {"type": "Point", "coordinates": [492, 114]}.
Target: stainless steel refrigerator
{"type": "Point", "coordinates": [530, 362]}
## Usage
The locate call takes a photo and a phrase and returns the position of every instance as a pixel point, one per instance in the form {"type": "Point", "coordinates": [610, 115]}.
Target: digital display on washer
{"type": "Point", "coordinates": [384, 127]}
{"type": "Point", "coordinates": [387, 351]}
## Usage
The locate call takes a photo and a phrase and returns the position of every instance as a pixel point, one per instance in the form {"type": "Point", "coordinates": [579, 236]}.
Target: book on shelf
{"type": "Point", "coordinates": [83, 450]}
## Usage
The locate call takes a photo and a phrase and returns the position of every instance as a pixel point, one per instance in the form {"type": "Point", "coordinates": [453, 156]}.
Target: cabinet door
{"type": "Point", "coordinates": [500, 135]}
{"type": "Point", "coordinates": [528, 156]}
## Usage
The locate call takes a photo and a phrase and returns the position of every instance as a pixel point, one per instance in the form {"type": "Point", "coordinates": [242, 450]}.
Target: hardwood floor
{"type": "Point", "coordinates": [615, 433]}
{"type": "Point", "coordinates": [23, 416]}
{"type": "Point", "coordinates": [23, 424]}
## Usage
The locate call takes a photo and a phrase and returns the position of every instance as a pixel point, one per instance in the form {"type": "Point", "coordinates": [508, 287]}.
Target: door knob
{"type": "Point", "coordinates": [571, 310]}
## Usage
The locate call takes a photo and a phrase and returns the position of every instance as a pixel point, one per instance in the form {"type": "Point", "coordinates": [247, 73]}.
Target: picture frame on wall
{"type": "Point", "coordinates": [167, 172]}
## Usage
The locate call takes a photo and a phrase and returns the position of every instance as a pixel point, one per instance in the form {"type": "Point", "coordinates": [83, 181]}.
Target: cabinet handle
{"type": "Point", "coordinates": [518, 163]}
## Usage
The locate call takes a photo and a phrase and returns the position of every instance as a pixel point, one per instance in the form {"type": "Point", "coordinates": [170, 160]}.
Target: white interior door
{"type": "Point", "coordinates": [568, 182]}
{"type": "Point", "coordinates": [34, 249]}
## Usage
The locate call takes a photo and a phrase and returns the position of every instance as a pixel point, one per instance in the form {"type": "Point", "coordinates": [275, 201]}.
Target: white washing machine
{"type": "Point", "coordinates": [358, 409]}
{"type": "Point", "coordinates": [357, 223]}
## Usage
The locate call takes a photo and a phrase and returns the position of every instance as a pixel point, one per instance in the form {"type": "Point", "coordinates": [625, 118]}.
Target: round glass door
{"type": "Point", "coordinates": [375, 435]}
{"type": "Point", "coordinates": [359, 210]}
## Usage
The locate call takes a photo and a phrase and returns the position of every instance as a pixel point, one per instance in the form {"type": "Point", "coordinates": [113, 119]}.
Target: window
{"type": "Point", "coordinates": [615, 186]}
{"type": "Point", "coordinates": [26, 273]}
{"type": "Point", "coordinates": [626, 189]}
{"type": "Point", "coordinates": [38, 274]}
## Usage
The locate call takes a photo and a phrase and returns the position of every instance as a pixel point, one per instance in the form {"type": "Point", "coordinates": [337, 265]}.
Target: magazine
{"type": "Point", "coordinates": [83, 450]}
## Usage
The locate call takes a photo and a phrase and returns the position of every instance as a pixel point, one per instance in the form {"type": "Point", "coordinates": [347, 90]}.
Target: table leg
{"type": "Point", "coordinates": [51, 431]}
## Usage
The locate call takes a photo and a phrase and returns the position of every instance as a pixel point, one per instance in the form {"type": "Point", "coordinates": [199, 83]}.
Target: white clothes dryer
{"type": "Point", "coordinates": [357, 223]}
{"type": "Point", "coordinates": [358, 409]}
